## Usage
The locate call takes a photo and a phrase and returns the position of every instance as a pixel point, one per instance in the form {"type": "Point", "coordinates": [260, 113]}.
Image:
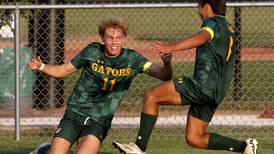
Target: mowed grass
{"type": "Point", "coordinates": [163, 140]}
{"type": "Point", "coordinates": [168, 24]}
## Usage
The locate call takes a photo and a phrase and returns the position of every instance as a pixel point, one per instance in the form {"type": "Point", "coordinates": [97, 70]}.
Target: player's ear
{"type": "Point", "coordinates": [208, 8]}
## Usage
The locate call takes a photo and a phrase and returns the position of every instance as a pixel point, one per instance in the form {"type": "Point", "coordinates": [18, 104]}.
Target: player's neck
{"type": "Point", "coordinates": [111, 56]}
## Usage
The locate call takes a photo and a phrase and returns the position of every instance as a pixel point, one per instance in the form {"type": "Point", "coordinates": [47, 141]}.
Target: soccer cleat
{"type": "Point", "coordinates": [251, 146]}
{"type": "Point", "coordinates": [130, 148]}
{"type": "Point", "coordinates": [41, 146]}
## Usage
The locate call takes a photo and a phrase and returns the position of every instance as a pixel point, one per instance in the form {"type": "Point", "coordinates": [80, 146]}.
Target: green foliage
{"type": "Point", "coordinates": [16, 1]}
{"type": "Point", "coordinates": [5, 14]}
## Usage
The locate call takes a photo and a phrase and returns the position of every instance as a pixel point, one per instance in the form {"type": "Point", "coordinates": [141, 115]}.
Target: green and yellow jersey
{"type": "Point", "coordinates": [214, 60]}
{"type": "Point", "coordinates": [104, 81]}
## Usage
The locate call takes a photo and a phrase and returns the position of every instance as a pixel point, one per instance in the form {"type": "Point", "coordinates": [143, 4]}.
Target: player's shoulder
{"type": "Point", "coordinates": [95, 45]}
{"type": "Point", "coordinates": [129, 51]}
{"type": "Point", "coordinates": [94, 48]}
{"type": "Point", "coordinates": [210, 21]}
{"type": "Point", "coordinates": [132, 54]}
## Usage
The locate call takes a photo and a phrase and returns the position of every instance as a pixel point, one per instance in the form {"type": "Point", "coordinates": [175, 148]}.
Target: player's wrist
{"type": "Point", "coordinates": [41, 67]}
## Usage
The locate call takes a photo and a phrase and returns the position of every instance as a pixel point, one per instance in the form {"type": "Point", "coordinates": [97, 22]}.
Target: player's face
{"type": "Point", "coordinates": [113, 39]}
{"type": "Point", "coordinates": [202, 12]}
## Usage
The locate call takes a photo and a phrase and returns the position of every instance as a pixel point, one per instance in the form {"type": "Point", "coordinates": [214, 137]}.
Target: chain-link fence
{"type": "Point", "coordinates": [58, 33]}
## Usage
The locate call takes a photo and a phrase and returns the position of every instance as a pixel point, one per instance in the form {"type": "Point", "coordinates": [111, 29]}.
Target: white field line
{"type": "Point", "coordinates": [218, 120]}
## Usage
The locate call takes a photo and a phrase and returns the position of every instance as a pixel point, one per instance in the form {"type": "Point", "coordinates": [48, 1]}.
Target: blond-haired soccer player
{"type": "Point", "coordinates": [107, 72]}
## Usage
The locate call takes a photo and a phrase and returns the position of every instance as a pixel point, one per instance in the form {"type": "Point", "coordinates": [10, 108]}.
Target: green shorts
{"type": "Point", "coordinates": [201, 106]}
{"type": "Point", "coordinates": [73, 126]}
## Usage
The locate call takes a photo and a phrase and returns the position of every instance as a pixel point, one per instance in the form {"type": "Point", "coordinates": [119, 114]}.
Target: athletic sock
{"type": "Point", "coordinates": [146, 126]}
{"type": "Point", "coordinates": [219, 142]}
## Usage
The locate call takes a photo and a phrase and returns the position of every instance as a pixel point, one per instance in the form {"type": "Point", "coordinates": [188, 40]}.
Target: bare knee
{"type": "Point", "coordinates": [150, 97]}
{"type": "Point", "coordinates": [57, 143]}
{"type": "Point", "coordinates": [88, 144]}
{"type": "Point", "coordinates": [191, 139]}
{"type": "Point", "coordinates": [196, 140]}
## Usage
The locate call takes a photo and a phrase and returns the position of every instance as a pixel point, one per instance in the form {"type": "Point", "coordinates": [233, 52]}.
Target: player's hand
{"type": "Point", "coordinates": [160, 47]}
{"type": "Point", "coordinates": [166, 57]}
{"type": "Point", "coordinates": [35, 63]}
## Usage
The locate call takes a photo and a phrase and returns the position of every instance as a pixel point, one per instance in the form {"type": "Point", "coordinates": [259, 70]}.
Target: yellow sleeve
{"type": "Point", "coordinates": [146, 67]}
{"type": "Point", "coordinates": [211, 32]}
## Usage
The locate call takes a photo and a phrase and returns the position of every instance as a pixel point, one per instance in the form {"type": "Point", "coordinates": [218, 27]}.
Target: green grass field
{"type": "Point", "coordinates": [173, 23]}
{"type": "Point", "coordinates": [168, 24]}
{"type": "Point", "coordinates": [163, 140]}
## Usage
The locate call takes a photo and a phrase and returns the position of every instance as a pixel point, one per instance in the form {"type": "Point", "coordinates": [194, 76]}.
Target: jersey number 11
{"type": "Point", "coordinates": [107, 82]}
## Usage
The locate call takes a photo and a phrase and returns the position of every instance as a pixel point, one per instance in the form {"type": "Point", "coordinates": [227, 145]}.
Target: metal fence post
{"type": "Point", "coordinates": [17, 74]}
{"type": "Point", "coordinates": [237, 63]}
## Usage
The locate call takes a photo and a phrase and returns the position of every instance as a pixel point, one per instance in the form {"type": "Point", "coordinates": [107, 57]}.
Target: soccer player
{"type": "Point", "coordinates": [107, 72]}
{"type": "Point", "coordinates": [204, 91]}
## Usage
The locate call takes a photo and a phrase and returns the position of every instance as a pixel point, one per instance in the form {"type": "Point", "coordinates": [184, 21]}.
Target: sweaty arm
{"type": "Point", "coordinates": [59, 71]}
{"type": "Point", "coordinates": [56, 71]}
{"type": "Point", "coordinates": [161, 72]}
{"type": "Point", "coordinates": [196, 40]}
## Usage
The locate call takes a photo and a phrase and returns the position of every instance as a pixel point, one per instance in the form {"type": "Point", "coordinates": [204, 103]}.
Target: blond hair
{"type": "Point", "coordinates": [113, 23]}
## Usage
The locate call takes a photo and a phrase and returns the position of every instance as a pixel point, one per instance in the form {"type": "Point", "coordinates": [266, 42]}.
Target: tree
{"type": "Point", "coordinates": [5, 15]}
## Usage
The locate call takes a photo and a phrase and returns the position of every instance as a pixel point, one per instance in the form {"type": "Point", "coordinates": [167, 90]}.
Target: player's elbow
{"type": "Point", "coordinates": [60, 74]}
{"type": "Point", "coordinates": [167, 76]}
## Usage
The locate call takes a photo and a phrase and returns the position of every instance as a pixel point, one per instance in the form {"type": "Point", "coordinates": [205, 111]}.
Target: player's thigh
{"type": "Point", "coordinates": [203, 112]}
{"type": "Point", "coordinates": [89, 144]}
{"type": "Point", "coordinates": [164, 93]}
{"type": "Point", "coordinates": [59, 146]}
{"type": "Point", "coordinates": [69, 127]}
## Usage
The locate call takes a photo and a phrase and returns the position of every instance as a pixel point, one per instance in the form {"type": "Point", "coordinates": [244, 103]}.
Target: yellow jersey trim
{"type": "Point", "coordinates": [229, 49]}
{"type": "Point", "coordinates": [211, 32]}
{"type": "Point", "coordinates": [147, 67]}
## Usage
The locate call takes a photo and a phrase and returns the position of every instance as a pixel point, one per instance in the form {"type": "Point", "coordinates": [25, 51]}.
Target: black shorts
{"type": "Point", "coordinates": [201, 106]}
{"type": "Point", "coordinates": [73, 126]}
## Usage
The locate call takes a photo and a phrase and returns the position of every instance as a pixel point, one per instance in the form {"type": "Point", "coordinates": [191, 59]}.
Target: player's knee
{"type": "Point", "coordinates": [85, 152]}
{"type": "Point", "coordinates": [194, 140]}
{"type": "Point", "coordinates": [150, 96]}
{"type": "Point", "coordinates": [190, 140]}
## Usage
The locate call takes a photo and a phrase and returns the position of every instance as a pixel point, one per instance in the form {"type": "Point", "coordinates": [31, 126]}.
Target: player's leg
{"type": "Point", "coordinates": [162, 94]}
{"type": "Point", "coordinates": [198, 137]}
{"type": "Point", "coordinates": [64, 136]}
{"type": "Point", "coordinates": [54, 148]}
{"type": "Point", "coordinates": [58, 142]}
{"type": "Point", "coordinates": [196, 134]}
{"type": "Point", "coordinates": [88, 144]}
{"type": "Point", "coordinates": [91, 136]}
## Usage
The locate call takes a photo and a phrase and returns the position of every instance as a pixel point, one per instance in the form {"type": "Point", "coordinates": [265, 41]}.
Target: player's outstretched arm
{"type": "Point", "coordinates": [162, 72]}
{"type": "Point", "coordinates": [56, 71]}
{"type": "Point", "coordinates": [193, 41]}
